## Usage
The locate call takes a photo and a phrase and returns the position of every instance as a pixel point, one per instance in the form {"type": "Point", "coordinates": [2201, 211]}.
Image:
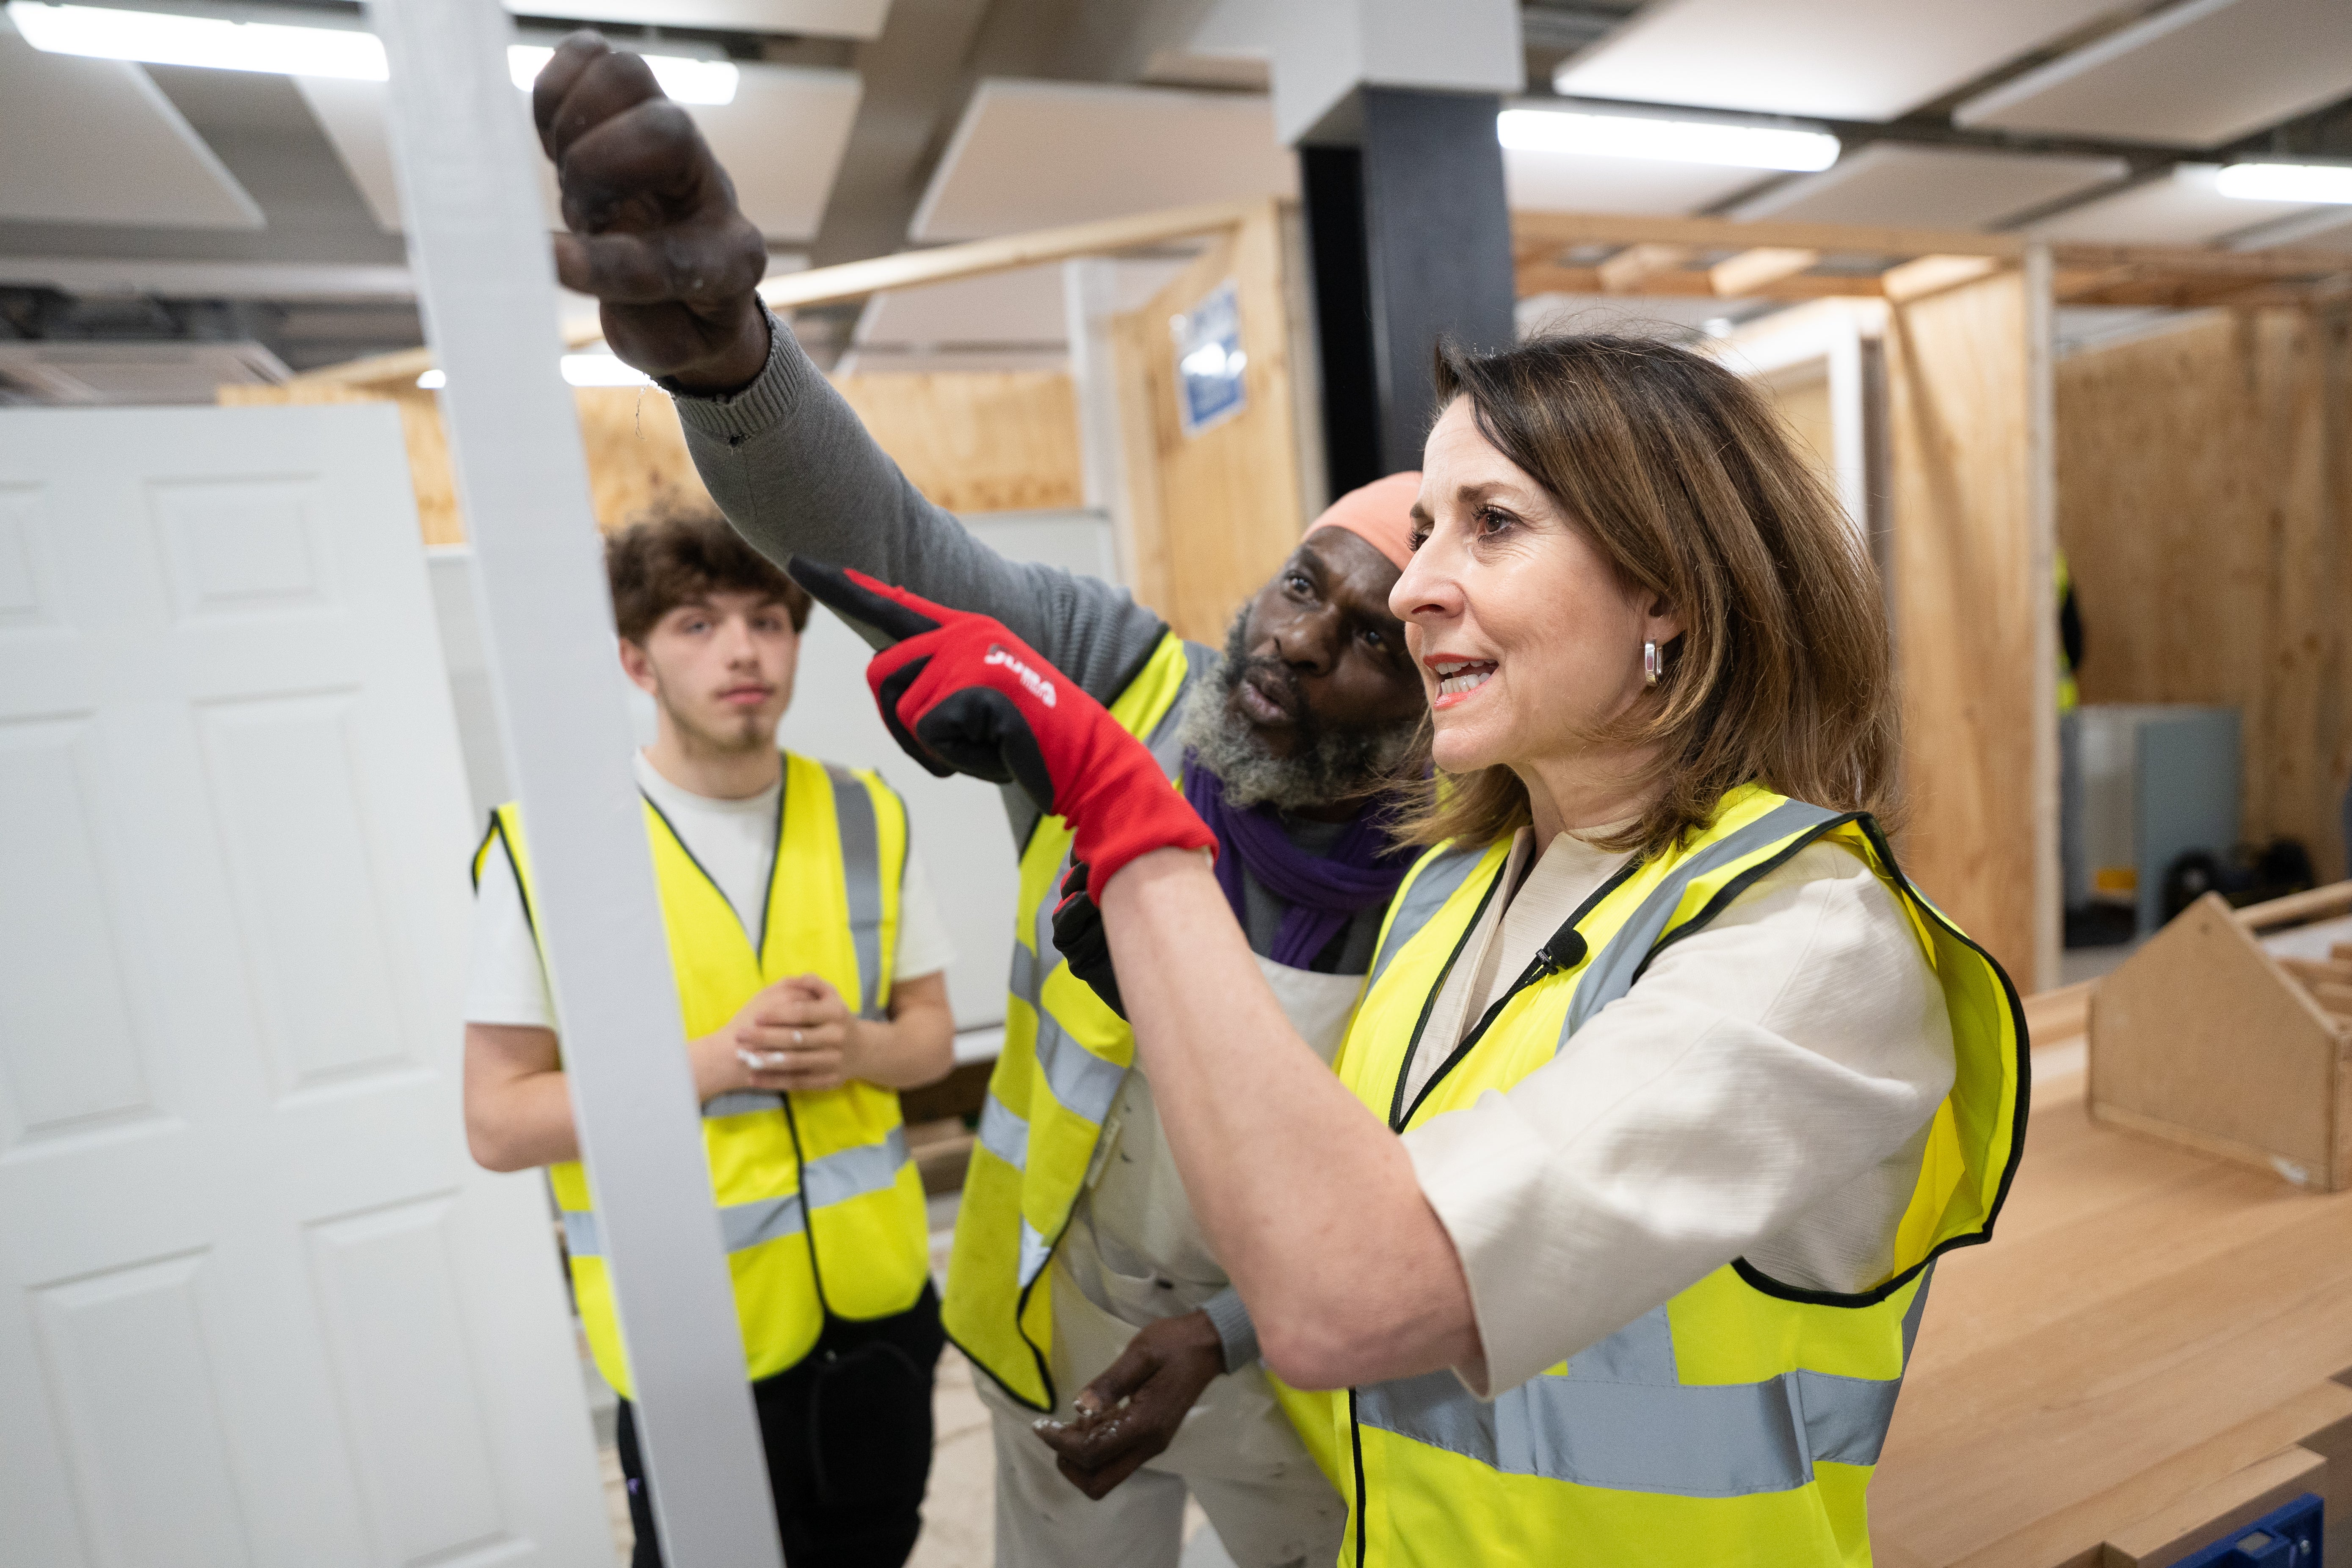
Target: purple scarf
{"type": "Point", "coordinates": [1360, 872]}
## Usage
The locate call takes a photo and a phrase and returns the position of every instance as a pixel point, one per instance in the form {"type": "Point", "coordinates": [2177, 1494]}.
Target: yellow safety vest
{"type": "Point", "coordinates": [819, 1204]}
{"type": "Point", "coordinates": [1064, 1059]}
{"type": "Point", "coordinates": [1739, 1421]}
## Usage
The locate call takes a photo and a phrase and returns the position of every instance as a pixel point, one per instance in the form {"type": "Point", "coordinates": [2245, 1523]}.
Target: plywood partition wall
{"type": "Point", "coordinates": [1211, 515]}
{"type": "Point", "coordinates": [974, 442]}
{"type": "Point", "coordinates": [1974, 616]}
{"type": "Point", "coordinates": [2203, 505]}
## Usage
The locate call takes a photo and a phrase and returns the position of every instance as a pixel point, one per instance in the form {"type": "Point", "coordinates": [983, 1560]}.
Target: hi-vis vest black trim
{"type": "Point", "coordinates": [819, 1204]}
{"type": "Point", "coordinates": [1064, 1057]}
{"type": "Point", "coordinates": [1739, 1422]}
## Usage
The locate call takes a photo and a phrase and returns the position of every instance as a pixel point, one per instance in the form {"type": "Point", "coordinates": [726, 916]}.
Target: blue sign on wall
{"type": "Point", "coordinates": [1209, 360]}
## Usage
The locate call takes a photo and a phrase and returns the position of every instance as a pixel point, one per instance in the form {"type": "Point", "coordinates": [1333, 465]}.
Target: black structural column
{"type": "Point", "coordinates": [1410, 235]}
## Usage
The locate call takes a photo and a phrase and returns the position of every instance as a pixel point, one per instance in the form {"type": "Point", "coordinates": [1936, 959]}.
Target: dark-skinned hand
{"type": "Point", "coordinates": [1131, 1411]}
{"type": "Point", "coordinates": [655, 234]}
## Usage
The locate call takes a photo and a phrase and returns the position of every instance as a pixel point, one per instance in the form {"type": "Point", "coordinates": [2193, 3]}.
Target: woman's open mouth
{"type": "Point", "coordinates": [1457, 679]}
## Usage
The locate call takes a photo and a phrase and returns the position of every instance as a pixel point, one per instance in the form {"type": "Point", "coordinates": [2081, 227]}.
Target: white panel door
{"type": "Point", "coordinates": [256, 1305]}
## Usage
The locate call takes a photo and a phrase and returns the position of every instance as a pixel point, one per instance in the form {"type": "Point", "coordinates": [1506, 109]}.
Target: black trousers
{"type": "Point", "coordinates": [848, 1439]}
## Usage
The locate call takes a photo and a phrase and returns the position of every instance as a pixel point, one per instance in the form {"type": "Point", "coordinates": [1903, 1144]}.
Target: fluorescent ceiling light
{"type": "Point", "coordinates": [688, 81]}
{"type": "Point", "coordinates": [579, 370]}
{"type": "Point", "coordinates": [2286, 182]}
{"type": "Point", "coordinates": [155, 38]}
{"type": "Point", "coordinates": [1668, 140]}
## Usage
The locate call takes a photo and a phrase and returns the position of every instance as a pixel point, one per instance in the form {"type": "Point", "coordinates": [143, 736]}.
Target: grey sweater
{"type": "Point", "coordinates": [795, 472]}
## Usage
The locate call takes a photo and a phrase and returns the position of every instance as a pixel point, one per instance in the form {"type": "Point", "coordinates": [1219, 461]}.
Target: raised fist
{"type": "Point", "coordinates": [655, 234]}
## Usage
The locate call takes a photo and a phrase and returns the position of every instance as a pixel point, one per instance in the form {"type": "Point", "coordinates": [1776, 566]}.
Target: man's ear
{"type": "Point", "coordinates": [637, 665]}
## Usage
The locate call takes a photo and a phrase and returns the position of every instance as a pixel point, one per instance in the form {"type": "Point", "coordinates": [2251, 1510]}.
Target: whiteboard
{"type": "Point", "coordinates": [958, 824]}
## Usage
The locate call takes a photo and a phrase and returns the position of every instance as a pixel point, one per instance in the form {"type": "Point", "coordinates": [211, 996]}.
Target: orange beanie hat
{"type": "Point", "coordinates": [1380, 513]}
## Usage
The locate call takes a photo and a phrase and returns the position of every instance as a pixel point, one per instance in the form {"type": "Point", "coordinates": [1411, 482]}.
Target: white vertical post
{"type": "Point", "coordinates": [1089, 299]}
{"type": "Point", "coordinates": [2041, 511]}
{"type": "Point", "coordinates": [461, 141]}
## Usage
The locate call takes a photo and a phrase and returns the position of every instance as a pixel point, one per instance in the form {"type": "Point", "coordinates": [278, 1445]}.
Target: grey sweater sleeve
{"type": "Point", "coordinates": [795, 472]}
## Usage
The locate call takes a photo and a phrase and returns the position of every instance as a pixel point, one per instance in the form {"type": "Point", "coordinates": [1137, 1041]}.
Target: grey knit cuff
{"type": "Point", "coordinates": [758, 407]}
{"type": "Point", "coordinates": [1234, 1329]}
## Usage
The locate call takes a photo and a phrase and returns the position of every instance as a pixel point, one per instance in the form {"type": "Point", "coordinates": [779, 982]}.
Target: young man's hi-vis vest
{"type": "Point", "coordinates": [1065, 1056]}
{"type": "Point", "coordinates": [1739, 1422]}
{"type": "Point", "coordinates": [819, 1205]}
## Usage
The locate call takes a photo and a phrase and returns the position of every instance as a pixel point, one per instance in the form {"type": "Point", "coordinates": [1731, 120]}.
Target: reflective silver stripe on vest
{"type": "Point", "coordinates": [1618, 1418]}
{"type": "Point", "coordinates": [1438, 881]}
{"type": "Point", "coordinates": [1035, 1250]}
{"type": "Point", "coordinates": [861, 865]}
{"type": "Point", "coordinates": [741, 1102]}
{"type": "Point", "coordinates": [1081, 1080]}
{"type": "Point", "coordinates": [1004, 1133]}
{"type": "Point", "coordinates": [838, 1177]}
{"type": "Point", "coordinates": [853, 1173]}
{"type": "Point", "coordinates": [1611, 975]}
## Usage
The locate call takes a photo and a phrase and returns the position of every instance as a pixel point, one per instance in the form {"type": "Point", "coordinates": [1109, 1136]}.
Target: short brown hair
{"type": "Point", "coordinates": [1682, 476]}
{"type": "Point", "coordinates": [677, 557]}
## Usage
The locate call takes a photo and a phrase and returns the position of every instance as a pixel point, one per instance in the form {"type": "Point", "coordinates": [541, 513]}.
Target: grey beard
{"type": "Point", "coordinates": [1327, 767]}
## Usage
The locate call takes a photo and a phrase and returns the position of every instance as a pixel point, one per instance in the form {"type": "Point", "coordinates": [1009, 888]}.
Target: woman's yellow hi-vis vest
{"type": "Point", "coordinates": [820, 1206]}
{"type": "Point", "coordinates": [1739, 1422]}
{"type": "Point", "coordinates": [1065, 1056]}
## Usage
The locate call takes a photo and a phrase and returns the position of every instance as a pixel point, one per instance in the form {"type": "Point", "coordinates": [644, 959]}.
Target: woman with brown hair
{"type": "Point", "coordinates": [1665, 1087]}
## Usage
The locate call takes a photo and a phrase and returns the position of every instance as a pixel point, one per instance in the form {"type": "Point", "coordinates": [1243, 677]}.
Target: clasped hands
{"type": "Point", "coordinates": [797, 1033]}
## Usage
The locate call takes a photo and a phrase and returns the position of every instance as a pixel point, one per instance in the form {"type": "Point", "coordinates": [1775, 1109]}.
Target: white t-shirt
{"type": "Point", "coordinates": [1764, 1092]}
{"type": "Point", "coordinates": [734, 840]}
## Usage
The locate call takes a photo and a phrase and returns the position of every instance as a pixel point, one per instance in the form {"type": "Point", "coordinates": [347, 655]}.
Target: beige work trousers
{"type": "Point", "coordinates": [1236, 1452]}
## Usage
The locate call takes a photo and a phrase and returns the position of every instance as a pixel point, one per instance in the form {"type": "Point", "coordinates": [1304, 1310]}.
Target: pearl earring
{"type": "Point", "coordinates": [1649, 664]}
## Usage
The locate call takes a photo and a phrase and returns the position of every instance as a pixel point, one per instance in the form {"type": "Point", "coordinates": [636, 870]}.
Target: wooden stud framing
{"type": "Point", "coordinates": [1625, 272]}
{"type": "Point", "coordinates": [1752, 270]}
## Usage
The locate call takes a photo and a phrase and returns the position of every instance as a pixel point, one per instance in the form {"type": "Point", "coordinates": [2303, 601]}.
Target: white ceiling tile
{"type": "Point", "coordinates": [1024, 307]}
{"type": "Point", "coordinates": [85, 141]}
{"type": "Point", "coordinates": [1932, 187]}
{"type": "Point", "coordinates": [1844, 59]}
{"type": "Point", "coordinates": [70, 371]}
{"type": "Point", "coordinates": [1577, 183]}
{"type": "Point", "coordinates": [351, 113]}
{"type": "Point", "coordinates": [2180, 208]}
{"type": "Point", "coordinates": [1033, 154]}
{"type": "Point", "coordinates": [781, 142]}
{"type": "Point", "coordinates": [2199, 74]}
{"type": "Point", "coordinates": [821, 18]}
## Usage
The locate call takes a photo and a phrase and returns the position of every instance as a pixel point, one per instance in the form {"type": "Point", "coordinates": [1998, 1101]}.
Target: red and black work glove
{"type": "Point", "coordinates": [961, 694]}
{"type": "Point", "coordinates": [1084, 944]}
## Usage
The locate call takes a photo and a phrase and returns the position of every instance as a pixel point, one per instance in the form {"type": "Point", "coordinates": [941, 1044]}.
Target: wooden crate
{"type": "Point", "coordinates": [2206, 1039]}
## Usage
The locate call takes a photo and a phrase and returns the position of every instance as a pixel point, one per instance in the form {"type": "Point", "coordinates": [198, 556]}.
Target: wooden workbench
{"type": "Point", "coordinates": [2144, 1356]}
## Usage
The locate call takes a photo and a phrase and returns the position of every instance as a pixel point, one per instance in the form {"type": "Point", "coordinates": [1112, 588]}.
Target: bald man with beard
{"type": "Point", "coordinates": [1079, 1278]}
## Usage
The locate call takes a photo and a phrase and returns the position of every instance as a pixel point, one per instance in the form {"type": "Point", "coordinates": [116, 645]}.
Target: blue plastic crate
{"type": "Point", "coordinates": [2287, 1537]}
